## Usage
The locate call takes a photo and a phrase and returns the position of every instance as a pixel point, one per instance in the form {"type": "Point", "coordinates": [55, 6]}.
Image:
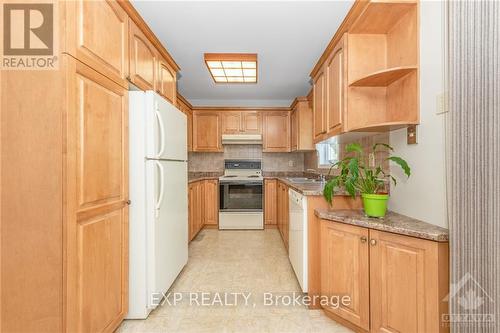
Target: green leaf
{"type": "Point", "coordinates": [354, 167]}
{"type": "Point", "coordinates": [329, 188]}
{"type": "Point", "coordinates": [349, 186]}
{"type": "Point", "coordinates": [354, 147]}
{"type": "Point", "coordinates": [394, 180]}
{"type": "Point", "coordinates": [383, 145]}
{"type": "Point", "coordinates": [402, 163]}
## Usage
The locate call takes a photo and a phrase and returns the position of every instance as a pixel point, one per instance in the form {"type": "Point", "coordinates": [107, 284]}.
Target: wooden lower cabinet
{"type": "Point", "coordinates": [203, 205]}
{"type": "Point", "coordinates": [97, 194]}
{"type": "Point", "coordinates": [270, 201]}
{"type": "Point", "coordinates": [211, 197]}
{"type": "Point", "coordinates": [396, 283]}
{"type": "Point", "coordinates": [345, 271]}
{"type": "Point", "coordinates": [408, 282]}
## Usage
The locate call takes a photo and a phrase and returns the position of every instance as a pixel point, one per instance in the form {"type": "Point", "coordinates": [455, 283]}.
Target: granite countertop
{"type": "Point", "coordinates": [392, 222]}
{"type": "Point", "coordinates": [198, 176]}
{"type": "Point", "coordinates": [305, 189]}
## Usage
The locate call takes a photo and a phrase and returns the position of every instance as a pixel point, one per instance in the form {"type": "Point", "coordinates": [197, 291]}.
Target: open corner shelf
{"type": "Point", "coordinates": [384, 127]}
{"type": "Point", "coordinates": [384, 77]}
{"type": "Point", "coordinates": [380, 16]}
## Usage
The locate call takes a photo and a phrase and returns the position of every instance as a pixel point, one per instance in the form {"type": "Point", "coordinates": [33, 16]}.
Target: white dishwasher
{"type": "Point", "coordinates": [297, 241]}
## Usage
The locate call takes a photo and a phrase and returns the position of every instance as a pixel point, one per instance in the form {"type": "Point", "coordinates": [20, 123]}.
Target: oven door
{"type": "Point", "coordinates": [240, 196]}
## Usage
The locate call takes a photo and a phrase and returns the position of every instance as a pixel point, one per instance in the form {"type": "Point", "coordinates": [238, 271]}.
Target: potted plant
{"type": "Point", "coordinates": [356, 177]}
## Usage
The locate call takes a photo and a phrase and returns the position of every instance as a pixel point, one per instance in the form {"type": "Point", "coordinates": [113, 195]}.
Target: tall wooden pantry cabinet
{"type": "Point", "coordinates": [64, 174]}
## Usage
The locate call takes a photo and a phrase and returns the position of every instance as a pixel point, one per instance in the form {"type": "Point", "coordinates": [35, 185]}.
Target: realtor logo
{"type": "Point", "coordinates": [29, 39]}
{"type": "Point", "coordinates": [471, 299]}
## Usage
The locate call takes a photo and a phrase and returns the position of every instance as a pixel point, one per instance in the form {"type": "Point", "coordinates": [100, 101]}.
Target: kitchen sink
{"type": "Point", "coordinates": [302, 180]}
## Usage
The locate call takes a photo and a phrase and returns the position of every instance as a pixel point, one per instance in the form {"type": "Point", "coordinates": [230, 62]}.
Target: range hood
{"type": "Point", "coordinates": [241, 139]}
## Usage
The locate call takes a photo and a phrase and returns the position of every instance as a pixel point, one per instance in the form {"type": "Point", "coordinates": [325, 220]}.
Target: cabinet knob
{"type": "Point", "coordinates": [373, 242]}
{"type": "Point", "coordinates": [128, 202]}
{"type": "Point", "coordinates": [363, 239]}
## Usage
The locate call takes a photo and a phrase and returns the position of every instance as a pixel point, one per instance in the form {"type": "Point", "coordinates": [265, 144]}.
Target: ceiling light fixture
{"type": "Point", "coordinates": [232, 67]}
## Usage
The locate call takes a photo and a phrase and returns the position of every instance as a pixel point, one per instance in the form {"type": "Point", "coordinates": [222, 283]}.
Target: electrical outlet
{"type": "Point", "coordinates": [371, 160]}
{"type": "Point", "coordinates": [291, 163]}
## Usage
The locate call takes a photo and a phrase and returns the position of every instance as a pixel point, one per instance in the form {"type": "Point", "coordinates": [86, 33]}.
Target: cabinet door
{"type": "Point", "coordinates": [166, 84]}
{"type": "Point", "coordinates": [143, 59]}
{"type": "Point", "coordinates": [211, 195]}
{"type": "Point", "coordinates": [200, 206]}
{"type": "Point", "coordinates": [270, 201]}
{"type": "Point", "coordinates": [319, 123]}
{"type": "Point", "coordinates": [206, 132]}
{"type": "Point", "coordinates": [97, 195]}
{"type": "Point", "coordinates": [403, 284]}
{"type": "Point", "coordinates": [97, 35]}
{"type": "Point", "coordinates": [344, 270]}
{"type": "Point", "coordinates": [231, 122]}
{"type": "Point", "coordinates": [251, 122]}
{"type": "Point", "coordinates": [335, 89]}
{"type": "Point", "coordinates": [276, 134]}
{"type": "Point", "coordinates": [294, 128]}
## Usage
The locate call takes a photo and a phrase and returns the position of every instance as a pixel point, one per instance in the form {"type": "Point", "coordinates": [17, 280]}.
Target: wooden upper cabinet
{"type": "Point", "coordinates": [270, 201]}
{"type": "Point", "coordinates": [276, 134]}
{"type": "Point", "coordinates": [408, 282]}
{"type": "Point", "coordinates": [231, 122]}
{"type": "Point", "coordinates": [143, 59]}
{"type": "Point", "coordinates": [96, 34]}
{"type": "Point", "coordinates": [294, 126]}
{"type": "Point", "coordinates": [211, 196]}
{"type": "Point", "coordinates": [345, 270]}
{"type": "Point", "coordinates": [251, 122]}
{"type": "Point", "coordinates": [97, 253]}
{"type": "Point", "coordinates": [206, 131]}
{"type": "Point", "coordinates": [244, 122]}
{"type": "Point", "coordinates": [319, 116]}
{"type": "Point", "coordinates": [335, 89]}
{"type": "Point", "coordinates": [167, 81]}
{"type": "Point", "coordinates": [301, 125]}
{"type": "Point", "coordinates": [189, 115]}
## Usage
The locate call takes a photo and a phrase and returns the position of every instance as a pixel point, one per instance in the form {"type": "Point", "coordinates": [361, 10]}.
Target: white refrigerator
{"type": "Point", "coordinates": [158, 227]}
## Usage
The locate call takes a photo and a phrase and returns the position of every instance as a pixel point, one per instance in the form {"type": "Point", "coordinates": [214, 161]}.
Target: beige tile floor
{"type": "Point", "coordinates": [234, 261]}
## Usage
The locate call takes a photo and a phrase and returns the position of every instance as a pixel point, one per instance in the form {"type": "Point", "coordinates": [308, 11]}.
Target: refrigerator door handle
{"type": "Point", "coordinates": [162, 189]}
{"type": "Point", "coordinates": [162, 133]}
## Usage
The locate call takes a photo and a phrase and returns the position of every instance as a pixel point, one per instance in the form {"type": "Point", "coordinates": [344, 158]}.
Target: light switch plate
{"type": "Point", "coordinates": [442, 103]}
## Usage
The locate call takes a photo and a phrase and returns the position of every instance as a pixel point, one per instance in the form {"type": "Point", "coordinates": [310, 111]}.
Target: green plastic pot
{"type": "Point", "coordinates": [375, 204]}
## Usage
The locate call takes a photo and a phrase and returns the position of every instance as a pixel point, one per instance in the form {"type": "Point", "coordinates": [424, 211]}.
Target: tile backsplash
{"type": "Point", "coordinates": [214, 162]}
{"type": "Point", "coordinates": [284, 162]}
{"type": "Point", "coordinates": [367, 142]}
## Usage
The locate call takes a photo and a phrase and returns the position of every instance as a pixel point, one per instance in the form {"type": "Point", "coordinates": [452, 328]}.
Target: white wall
{"type": "Point", "coordinates": [423, 196]}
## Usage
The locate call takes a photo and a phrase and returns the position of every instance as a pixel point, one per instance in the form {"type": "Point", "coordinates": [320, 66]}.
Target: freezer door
{"type": "Point", "coordinates": [168, 236]}
{"type": "Point", "coordinates": [166, 129]}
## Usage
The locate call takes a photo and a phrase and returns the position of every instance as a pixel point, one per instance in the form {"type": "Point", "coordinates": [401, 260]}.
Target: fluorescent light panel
{"type": "Point", "coordinates": [232, 67]}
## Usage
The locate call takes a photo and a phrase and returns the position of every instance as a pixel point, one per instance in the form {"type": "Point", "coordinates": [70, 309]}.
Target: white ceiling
{"type": "Point", "coordinates": [289, 37]}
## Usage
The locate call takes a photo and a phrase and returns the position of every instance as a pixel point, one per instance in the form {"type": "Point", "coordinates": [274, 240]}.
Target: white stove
{"type": "Point", "coordinates": [242, 170]}
{"type": "Point", "coordinates": [241, 195]}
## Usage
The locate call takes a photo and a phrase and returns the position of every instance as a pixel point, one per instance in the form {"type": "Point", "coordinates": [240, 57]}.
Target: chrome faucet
{"type": "Point", "coordinates": [321, 176]}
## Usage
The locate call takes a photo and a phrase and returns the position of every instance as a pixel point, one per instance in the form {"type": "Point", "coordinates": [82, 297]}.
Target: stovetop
{"type": "Point", "coordinates": [242, 170]}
